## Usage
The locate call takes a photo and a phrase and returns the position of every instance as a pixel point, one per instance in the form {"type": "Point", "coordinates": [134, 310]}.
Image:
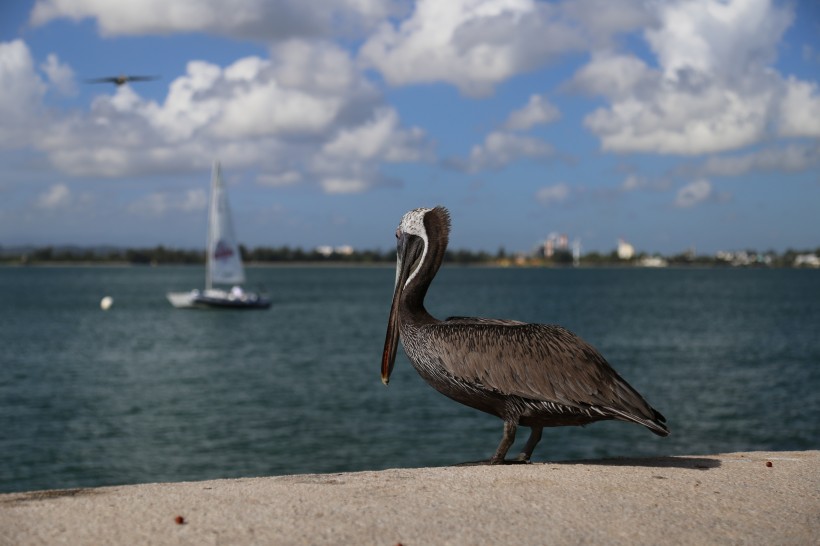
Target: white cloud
{"type": "Point", "coordinates": [267, 20]}
{"type": "Point", "coordinates": [713, 89]}
{"type": "Point", "coordinates": [60, 75]}
{"type": "Point", "coordinates": [537, 111]}
{"type": "Point", "coordinates": [686, 122]}
{"type": "Point", "coordinates": [603, 19]}
{"type": "Point", "coordinates": [57, 196]}
{"type": "Point", "coordinates": [473, 44]}
{"type": "Point", "coordinates": [617, 76]}
{"type": "Point", "coordinates": [335, 184]}
{"type": "Point", "coordinates": [307, 110]}
{"type": "Point", "coordinates": [379, 137]}
{"type": "Point", "coordinates": [268, 109]}
{"type": "Point", "coordinates": [477, 44]}
{"type": "Point", "coordinates": [792, 158]}
{"type": "Point", "coordinates": [502, 148]}
{"type": "Point", "coordinates": [556, 193]}
{"type": "Point", "coordinates": [693, 193]}
{"type": "Point", "coordinates": [345, 164]}
{"type": "Point", "coordinates": [194, 200]}
{"type": "Point", "coordinates": [632, 182]}
{"type": "Point", "coordinates": [153, 204]}
{"type": "Point", "coordinates": [278, 180]}
{"type": "Point", "coordinates": [321, 67]}
{"type": "Point", "coordinates": [800, 109]}
{"type": "Point", "coordinates": [712, 36]}
{"type": "Point", "coordinates": [21, 98]}
{"type": "Point", "coordinates": [158, 204]}
{"type": "Point", "coordinates": [635, 182]}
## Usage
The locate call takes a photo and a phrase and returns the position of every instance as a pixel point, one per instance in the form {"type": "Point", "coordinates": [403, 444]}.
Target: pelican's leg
{"type": "Point", "coordinates": [535, 437]}
{"type": "Point", "coordinates": [506, 441]}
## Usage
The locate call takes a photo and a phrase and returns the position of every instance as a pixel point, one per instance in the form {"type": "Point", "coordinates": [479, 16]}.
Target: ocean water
{"type": "Point", "coordinates": [145, 393]}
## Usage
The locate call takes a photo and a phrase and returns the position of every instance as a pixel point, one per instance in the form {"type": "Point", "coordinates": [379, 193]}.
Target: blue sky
{"type": "Point", "coordinates": [671, 124]}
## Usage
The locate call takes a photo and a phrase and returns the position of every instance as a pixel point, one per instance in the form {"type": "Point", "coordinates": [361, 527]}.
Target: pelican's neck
{"type": "Point", "coordinates": [412, 310]}
{"type": "Point", "coordinates": [412, 301]}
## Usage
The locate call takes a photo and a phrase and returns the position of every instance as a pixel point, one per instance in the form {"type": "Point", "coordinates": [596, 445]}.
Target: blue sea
{"type": "Point", "coordinates": [146, 393]}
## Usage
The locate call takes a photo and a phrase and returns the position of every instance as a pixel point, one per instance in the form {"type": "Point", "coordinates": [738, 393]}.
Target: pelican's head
{"type": "Point", "coordinates": [421, 240]}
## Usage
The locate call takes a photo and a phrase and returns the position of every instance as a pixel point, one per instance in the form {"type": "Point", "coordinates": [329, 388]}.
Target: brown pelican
{"type": "Point", "coordinates": [122, 79]}
{"type": "Point", "coordinates": [534, 375]}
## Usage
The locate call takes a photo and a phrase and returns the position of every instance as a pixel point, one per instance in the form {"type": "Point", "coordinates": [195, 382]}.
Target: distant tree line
{"type": "Point", "coordinates": [161, 255]}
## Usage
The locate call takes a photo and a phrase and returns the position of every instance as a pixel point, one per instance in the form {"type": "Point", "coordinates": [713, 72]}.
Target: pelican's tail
{"type": "Point", "coordinates": [656, 424]}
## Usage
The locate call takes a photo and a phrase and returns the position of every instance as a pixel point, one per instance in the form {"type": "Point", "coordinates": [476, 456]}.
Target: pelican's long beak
{"type": "Point", "coordinates": [391, 341]}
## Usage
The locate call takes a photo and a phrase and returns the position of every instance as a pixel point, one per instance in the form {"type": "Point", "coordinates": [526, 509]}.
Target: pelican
{"type": "Point", "coordinates": [532, 375]}
{"type": "Point", "coordinates": [122, 79]}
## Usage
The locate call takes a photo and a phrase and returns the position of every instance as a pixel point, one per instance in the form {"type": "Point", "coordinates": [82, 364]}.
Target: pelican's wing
{"type": "Point", "coordinates": [141, 78]}
{"type": "Point", "coordinates": [538, 362]}
{"type": "Point", "coordinates": [102, 80]}
{"type": "Point", "coordinates": [479, 320]}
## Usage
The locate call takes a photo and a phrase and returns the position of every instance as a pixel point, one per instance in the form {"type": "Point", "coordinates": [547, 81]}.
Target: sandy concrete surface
{"type": "Point", "coordinates": [738, 498]}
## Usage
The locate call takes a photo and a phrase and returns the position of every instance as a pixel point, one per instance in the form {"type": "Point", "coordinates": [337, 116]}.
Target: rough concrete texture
{"type": "Point", "coordinates": [738, 498]}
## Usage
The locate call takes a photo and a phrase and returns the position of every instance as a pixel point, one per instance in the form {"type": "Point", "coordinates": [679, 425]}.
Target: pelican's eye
{"type": "Point", "coordinates": [398, 233]}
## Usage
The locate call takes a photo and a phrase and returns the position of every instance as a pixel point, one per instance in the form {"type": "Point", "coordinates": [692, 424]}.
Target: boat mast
{"type": "Point", "coordinates": [209, 253]}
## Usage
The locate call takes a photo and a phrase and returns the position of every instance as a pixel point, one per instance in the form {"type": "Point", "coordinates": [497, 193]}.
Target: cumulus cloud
{"type": "Point", "coordinates": [713, 89]}
{"type": "Point", "coordinates": [734, 37]}
{"type": "Point", "coordinates": [472, 44]}
{"type": "Point", "coordinates": [795, 157]}
{"type": "Point", "coordinates": [800, 109]}
{"type": "Point", "coordinates": [60, 75]}
{"type": "Point", "coordinates": [345, 162]}
{"type": "Point", "coordinates": [710, 118]}
{"type": "Point", "coordinates": [338, 184]}
{"type": "Point", "coordinates": [635, 182]}
{"type": "Point", "coordinates": [601, 20]}
{"type": "Point", "coordinates": [278, 180]}
{"type": "Point", "coordinates": [57, 196]}
{"type": "Point", "coordinates": [157, 204]}
{"type": "Point", "coordinates": [268, 20]}
{"type": "Point", "coordinates": [306, 114]}
{"type": "Point", "coordinates": [693, 193]}
{"type": "Point", "coordinates": [22, 93]}
{"type": "Point", "coordinates": [477, 44]}
{"type": "Point", "coordinates": [537, 111]}
{"type": "Point", "coordinates": [614, 75]}
{"type": "Point", "coordinates": [550, 195]}
{"type": "Point", "coordinates": [379, 138]}
{"type": "Point", "coordinates": [500, 148]}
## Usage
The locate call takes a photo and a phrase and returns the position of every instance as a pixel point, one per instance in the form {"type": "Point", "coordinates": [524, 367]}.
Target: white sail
{"type": "Point", "coordinates": [224, 260]}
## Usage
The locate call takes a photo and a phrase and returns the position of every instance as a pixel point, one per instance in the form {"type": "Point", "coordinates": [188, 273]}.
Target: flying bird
{"type": "Point", "coordinates": [122, 79]}
{"type": "Point", "coordinates": [533, 375]}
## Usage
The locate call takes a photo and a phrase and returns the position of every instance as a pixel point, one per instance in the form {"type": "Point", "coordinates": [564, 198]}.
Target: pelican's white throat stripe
{"type": "Point", "coordinates": [412, 223]}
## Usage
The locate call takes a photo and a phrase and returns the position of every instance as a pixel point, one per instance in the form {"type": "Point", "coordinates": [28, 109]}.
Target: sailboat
{"type": "Point", "coordinates": [223, 261]}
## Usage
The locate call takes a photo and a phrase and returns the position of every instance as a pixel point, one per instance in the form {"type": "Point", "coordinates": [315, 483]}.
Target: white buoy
{"type": "Point", "coordinates": [106, 303]}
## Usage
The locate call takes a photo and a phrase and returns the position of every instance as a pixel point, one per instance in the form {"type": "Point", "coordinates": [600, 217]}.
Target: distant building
{"type": "Point", "coordinates": [625, 250]}
{"type": "Point", "coordinates": [576, 252]}
{"type": "Point", "coordinates": [653, 261]}
{"type": "Point", "coordinates": [743, 258]}
{"type": "Point", "coordinates": [327, 250]}
{"type": "Point", "coordinates": [555, 243]}
{"type": "Point", "coordinates": [806, 260]}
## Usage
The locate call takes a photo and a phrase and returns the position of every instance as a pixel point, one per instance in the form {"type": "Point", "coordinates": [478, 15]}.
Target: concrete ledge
{"type": "Point", "coordinates": [712, 499]}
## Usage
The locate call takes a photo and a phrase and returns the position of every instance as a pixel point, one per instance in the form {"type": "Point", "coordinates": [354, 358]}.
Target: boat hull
{"type": "Point", "coordinates": [217, 299]}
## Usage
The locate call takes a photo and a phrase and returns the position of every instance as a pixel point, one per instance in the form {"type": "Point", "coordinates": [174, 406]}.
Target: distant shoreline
{"type": "Point", "coordinates": [296, 257]}
{"type": "Point", "coordinates": [384, 265]}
